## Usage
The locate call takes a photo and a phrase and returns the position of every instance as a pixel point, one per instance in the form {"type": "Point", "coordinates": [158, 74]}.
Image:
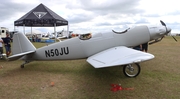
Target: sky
{"type": "Point", "coordinates": [94, 16]}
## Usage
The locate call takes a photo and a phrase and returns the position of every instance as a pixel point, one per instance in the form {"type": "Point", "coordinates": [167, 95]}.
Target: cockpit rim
{"type": "Point", "coordinates": [121, 32]}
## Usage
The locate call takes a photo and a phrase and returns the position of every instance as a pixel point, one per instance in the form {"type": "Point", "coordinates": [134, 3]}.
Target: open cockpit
{"type": "Point", "coordinates": [85, 36]}
{"type": "Point", "coordinates": [121, 32]}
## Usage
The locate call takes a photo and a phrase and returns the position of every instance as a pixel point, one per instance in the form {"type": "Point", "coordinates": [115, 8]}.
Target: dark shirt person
{"type": "Point", "coordinates": [7, 44]}
{"type": "Point", "coordinates": [1, 47]}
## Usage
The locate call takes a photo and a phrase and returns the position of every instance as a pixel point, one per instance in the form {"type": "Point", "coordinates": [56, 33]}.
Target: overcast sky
{"type": "Point", "coordinates": [96, 15]}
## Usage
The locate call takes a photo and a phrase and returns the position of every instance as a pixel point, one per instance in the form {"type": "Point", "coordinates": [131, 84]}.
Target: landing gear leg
{"type": "Point", "coordinates": [25, 62]}
{"type": "Point", "coordinates": [131, 70]}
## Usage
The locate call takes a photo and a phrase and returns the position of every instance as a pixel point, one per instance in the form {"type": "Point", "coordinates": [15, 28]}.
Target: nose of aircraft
{"type": "Point", "coordinates": [168, 30]}
{"type": "Point", "coordinates": [157, 32]}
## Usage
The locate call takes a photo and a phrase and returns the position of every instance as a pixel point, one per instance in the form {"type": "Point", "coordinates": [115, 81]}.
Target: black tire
{"type": "Point", "coordinates": [22, 66]}
{"type": "Point", "coordinates": [131, 70]}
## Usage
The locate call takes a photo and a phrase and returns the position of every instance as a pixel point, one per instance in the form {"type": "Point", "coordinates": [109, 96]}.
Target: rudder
{"type": "Point", "coordinates": [21, 44]}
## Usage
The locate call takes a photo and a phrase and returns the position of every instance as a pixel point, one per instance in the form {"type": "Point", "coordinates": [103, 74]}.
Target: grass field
{"type": "Point", "coordinates": [76, 79]}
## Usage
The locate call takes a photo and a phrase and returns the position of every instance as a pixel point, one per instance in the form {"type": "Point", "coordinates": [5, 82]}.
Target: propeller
{"type": "Point", "coordinates": [167, 30]}
{"type": "Point", "coordinates": [174, 38]}
{"type": "Point", "coordinates": [163, 23]}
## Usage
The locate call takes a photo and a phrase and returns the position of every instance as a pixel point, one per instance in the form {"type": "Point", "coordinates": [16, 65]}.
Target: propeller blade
{"type": "Point", "coordinates": [168, 30]}
{"type": "Point", "coordinates": [162, 23]}
{"type": "Point", "coordinates": [174, 38]}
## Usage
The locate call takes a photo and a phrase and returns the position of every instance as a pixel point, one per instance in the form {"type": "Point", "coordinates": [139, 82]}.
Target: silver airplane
{"type": "Point", "coordinates": [101, 49]}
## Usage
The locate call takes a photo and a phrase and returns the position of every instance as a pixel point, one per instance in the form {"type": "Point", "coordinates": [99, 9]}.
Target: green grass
{"type": "Point", "coordinates": [76, 79]}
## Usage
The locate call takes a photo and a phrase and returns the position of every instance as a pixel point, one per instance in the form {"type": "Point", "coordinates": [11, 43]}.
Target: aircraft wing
{"type": "Point", "coordinates": [118, 56]}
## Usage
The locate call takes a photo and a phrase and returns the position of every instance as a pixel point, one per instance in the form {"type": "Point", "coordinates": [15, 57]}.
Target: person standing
{"type": "Point", "coordinates": [1, 47]}
{"type": "Point", "coordinates": [145, 47]}
{"type": "Point", "coordinates": [7, 44]}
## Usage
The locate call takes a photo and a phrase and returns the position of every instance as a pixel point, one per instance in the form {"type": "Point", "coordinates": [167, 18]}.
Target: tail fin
{"type": "Point", "coordinates": [21, 46]}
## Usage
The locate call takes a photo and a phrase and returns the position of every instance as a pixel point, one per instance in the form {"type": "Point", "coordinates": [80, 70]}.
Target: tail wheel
{"type": "Point", "coordinates": [131, 70]}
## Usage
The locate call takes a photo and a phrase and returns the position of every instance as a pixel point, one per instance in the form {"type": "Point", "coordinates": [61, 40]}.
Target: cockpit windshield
{"type": "Point", "coordinates": [85, 36]}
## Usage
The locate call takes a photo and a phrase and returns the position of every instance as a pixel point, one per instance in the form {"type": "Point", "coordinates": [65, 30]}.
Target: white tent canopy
{"type": "Point", "coordinates": [34, 32]}
{"type": "Point", "coordinates": [37, 33]}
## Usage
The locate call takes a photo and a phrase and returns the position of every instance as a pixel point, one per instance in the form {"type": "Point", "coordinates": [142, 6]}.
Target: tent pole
{"type": "Point", "coordinates": [14, 28]}
{"type": "Point", "coordinates": [31, 32]}
{"type": "Point", "coordinates": [24, 28]}
{"type": "Point", "coordinates": [55, 31]}
{"type": "Point", "coordinates": [67, 31]}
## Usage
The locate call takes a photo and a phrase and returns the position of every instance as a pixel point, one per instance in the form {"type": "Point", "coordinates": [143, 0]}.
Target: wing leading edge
{"type": "Point", "coordinates": [120, 55]}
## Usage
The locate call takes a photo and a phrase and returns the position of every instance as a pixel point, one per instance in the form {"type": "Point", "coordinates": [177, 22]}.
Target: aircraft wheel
{"type": "Point", "coordinates": [22, 66]}
{"type": "Point", "coordinates": [131, 70]}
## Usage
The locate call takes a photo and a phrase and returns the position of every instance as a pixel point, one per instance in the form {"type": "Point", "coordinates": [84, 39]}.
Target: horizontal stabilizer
{"type": "Point", "coordinates": [18, 56]}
